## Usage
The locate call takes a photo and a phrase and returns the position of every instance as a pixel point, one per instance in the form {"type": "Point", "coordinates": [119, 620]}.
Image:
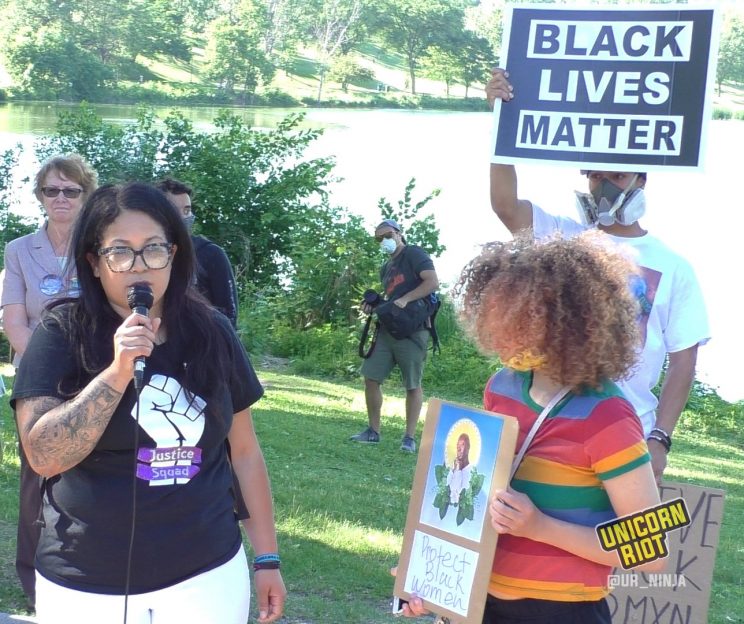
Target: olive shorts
{"type": "Point", "coordinates": [408, 354]}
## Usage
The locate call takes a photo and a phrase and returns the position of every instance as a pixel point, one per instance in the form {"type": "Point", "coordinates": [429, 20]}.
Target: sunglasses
{"type": "Point", "coordinates": [383, 236]}
{"type": "Point", "coordinates": [53, 191]}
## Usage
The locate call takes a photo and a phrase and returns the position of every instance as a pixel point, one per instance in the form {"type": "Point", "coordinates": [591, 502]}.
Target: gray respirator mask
{"type": "Point", "coordinates": [608, 204]}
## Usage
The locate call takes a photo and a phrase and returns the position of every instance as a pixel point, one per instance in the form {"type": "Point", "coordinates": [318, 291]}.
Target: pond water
{"type": "Point", "coordinates": [700, 214]}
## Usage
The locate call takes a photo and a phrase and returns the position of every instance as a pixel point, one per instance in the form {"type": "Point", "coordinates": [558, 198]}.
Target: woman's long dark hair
{"type": "Point", "coordinates": [189, 321]}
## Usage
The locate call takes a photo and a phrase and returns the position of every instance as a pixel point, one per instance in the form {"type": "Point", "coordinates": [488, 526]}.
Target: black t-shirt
{"type": "Point", "coordinates": [185, 520]}
{"type": "Point", "coordinates": [402, 274]}
{"type": "Point", "coordinates": [215, 278]}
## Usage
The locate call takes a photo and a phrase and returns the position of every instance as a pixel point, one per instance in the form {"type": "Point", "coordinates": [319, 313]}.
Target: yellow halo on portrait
{"type": "Point", "coordinates": [468, 427]}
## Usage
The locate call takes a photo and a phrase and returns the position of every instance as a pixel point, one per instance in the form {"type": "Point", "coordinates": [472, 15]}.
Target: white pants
{"type": "Point", "coordinates": [220, 596]}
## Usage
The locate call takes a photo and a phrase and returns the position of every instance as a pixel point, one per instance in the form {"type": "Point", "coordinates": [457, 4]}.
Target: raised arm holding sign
{"type": "Point", "coordinates": [628, 62]}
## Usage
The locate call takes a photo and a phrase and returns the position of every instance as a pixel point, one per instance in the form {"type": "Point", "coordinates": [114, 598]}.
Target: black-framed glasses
{"type": "Point", "coordinates": [385, 235]}
{"type": "Point", "coordinates": [53, 191]}
{"type": "Point", "coordinates": [154, 255]}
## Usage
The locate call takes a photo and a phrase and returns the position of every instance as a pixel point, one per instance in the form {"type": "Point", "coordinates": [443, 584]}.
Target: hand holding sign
{"type": "Point", "coordinates": [498, 87]}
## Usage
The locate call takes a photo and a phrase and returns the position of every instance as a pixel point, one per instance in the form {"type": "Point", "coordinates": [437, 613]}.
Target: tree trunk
{"type": "Point", "coordinates": [320, 83]}
{"type": "Point", "coordinates": [413, 77]}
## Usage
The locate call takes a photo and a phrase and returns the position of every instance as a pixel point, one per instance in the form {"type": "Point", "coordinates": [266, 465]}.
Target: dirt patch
{"type": "Point", "coordinates": [271, 363]}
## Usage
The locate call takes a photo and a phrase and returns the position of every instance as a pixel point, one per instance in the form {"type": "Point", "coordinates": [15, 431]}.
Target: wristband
{"type": "Point", "coordinates": [266, 565]}
{"type": "Point", "coordinates": [662, 433]}
{"type": "Point", "coordinates": [267, 561]}
{"type": "Point", "coordinates": [667, 444]}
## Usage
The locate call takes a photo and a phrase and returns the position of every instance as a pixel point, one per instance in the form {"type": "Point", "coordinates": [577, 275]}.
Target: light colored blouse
{"type": "Point", "coordinates": [34, 276]}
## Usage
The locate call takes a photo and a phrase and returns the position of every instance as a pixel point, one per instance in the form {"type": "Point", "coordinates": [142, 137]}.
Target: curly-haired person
{"type": "Point", "coordinates": [562, 318]}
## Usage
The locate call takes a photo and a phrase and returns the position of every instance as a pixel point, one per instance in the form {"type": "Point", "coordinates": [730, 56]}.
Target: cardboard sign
{"type": "Point", "coordinates": [600, 88]}
{"type": "Point", "coordinates": [448, 543]}
{"type": "Point", "coordinates": [681, 593]}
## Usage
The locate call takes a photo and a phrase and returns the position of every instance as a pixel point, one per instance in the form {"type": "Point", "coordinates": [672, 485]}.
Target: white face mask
{"type": "Point", "coordinates": [388, 245]}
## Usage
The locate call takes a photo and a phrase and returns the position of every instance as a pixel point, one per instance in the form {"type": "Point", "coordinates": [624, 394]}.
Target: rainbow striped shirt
{"type": "Point", "coordinates": [585, 440]}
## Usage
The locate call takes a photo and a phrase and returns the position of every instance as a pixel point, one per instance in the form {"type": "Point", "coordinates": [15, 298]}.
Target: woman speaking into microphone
{"type": "Point", "coordinates": [138, 516]}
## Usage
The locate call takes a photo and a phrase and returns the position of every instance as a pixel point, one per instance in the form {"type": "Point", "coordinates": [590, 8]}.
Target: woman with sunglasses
{"type": "Point", "coordinates": [139, 524]}
{"type": "Point", "coordinates": [36, 273]}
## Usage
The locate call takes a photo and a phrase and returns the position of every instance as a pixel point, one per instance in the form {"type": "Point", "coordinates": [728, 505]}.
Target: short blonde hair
{"type": "Point", "coordinates": [73, 167]}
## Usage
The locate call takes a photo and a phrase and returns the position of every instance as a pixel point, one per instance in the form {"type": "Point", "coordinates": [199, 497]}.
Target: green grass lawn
{"type": "Point", "coordinates": [340, 506]}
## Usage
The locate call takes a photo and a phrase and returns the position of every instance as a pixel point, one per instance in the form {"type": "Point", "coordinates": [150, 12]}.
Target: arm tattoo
{"type": "Point", "coordinates": [62, 434]}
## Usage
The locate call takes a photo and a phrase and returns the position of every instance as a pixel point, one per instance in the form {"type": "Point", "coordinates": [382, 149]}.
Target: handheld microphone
{"type": "Point", "coordinates": [139, 299]}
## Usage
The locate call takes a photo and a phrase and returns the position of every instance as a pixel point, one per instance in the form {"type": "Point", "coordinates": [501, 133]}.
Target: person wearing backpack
{"type": "Point", "coordinates": [409, 281]}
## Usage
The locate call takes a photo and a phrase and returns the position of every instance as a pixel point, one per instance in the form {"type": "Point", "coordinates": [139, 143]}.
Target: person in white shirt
{"type": "Point", "coordinates": [674, 320]}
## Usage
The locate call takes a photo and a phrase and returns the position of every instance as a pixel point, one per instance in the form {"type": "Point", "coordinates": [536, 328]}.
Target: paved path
{"type": "Point", "coordinates": [14, 619]}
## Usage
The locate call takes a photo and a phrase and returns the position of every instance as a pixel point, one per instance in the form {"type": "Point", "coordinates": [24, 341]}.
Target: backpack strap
{"type": "Point", "coordinates": [435, 346]}
{"type": "Point", "coordinates": [363, 340]}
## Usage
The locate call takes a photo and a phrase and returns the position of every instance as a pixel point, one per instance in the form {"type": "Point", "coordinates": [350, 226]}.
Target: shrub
{"type": "Point", "coordinates": [459, 371]}
{"type": "Point", "coordinates": [721, 113]}
{"type": "Point", "coordinates": [346, 70]}
{"type": "Point", "coordinates": [275, 97]}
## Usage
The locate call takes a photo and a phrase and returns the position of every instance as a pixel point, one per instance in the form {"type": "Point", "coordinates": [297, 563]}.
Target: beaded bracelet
{"type": "Point", "coordinates": [662, 433]}
{"type": "Point", "coordinates": [665, 443]}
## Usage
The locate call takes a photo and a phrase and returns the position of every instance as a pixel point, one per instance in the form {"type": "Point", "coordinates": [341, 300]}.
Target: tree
{"type": "Point", "coordinates": [75, 47]}
{"type": "Point", "coordinates": [412, 27]}
{"type": "Point", "coordinates": [486, 21]}
{"type": "Point", "coordinates": [442, 64]}
{"type": "Point", "coordinates": [331, 23]}
{"type": "Point", "coordinates": [345, 69]}
{"type": "Point", "coordinates": [284, 23]}
{"type": "Point", "coordinates": [48, 65]}
{"type": "Point", "coordinates": [235, 53]}
{"type": "Point", "coordinates": [476, 58]}
{"type": "Point", "coordinates": [120, 31]}
{"type": "Point", "coordinates": [731, 52]}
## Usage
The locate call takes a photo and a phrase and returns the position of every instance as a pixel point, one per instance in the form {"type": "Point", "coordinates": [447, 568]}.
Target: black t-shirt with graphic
{"type": "Point", "coordinates": [185, 519]}
{"type": "Point", "coordinates": [401, 274]}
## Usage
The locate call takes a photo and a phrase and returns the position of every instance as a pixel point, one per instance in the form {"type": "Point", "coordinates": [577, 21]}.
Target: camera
{"type": "Point", "coordinates": [371, 297]}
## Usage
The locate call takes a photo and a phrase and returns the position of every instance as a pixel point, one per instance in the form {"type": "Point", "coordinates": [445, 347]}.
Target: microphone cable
{"type": "Point", "coordinates": [140, 300]}
{"type": "Point", "coordinates": [130, 549]}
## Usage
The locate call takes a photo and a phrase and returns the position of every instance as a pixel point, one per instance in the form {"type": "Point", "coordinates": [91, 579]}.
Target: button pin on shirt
{"type": "Point", "coordinates": [50, 285]}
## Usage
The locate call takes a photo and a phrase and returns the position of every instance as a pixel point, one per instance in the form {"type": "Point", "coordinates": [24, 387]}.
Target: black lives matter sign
{"type": "Point", "coordinates": [607, 87]}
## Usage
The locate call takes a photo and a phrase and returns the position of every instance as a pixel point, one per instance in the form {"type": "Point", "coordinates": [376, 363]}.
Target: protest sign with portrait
{"type": "Point", "coordinates": [448, 543]}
